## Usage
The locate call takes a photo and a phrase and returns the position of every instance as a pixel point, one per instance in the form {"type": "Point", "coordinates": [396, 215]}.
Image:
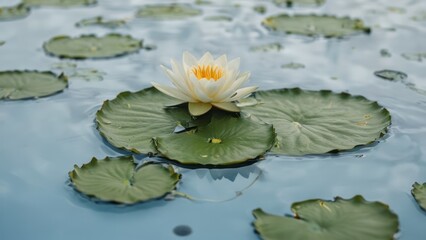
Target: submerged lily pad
{"type": "Point", "coordinates": [315, 122]}
{"type": "Point", "coordinates": [391, 75]}
{"type": "Point", "coordinates": [58, 3]}
{"type": "Point", "coordinates": [116, 179]}
{"type": "Point", "coordinates": [318, 219]}
{"type": "Point", "coordinates": [167, 11]}
{"type": "Point", "coordinates": [16, 85]}
{"type": "Point", "coordinates": [226, 140]}
{"type": "Point", "coordinates": [131, 120]}
{"type": "Point", "coordinates": [290, 3]}
{"type": "Point", "coordinates": [100, 21]}
{"type": "Point", "coordinates": [419, 193]}
{"type": "Point", "coordinates": [313, 25]}
{"type": "Point", "coordinates": [15, 12]}
{"type": "Point", "coordinates": [91, 46]}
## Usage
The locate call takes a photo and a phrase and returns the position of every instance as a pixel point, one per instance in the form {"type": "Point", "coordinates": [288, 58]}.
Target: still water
{"type": "Point", "coordinates": [41, 140]}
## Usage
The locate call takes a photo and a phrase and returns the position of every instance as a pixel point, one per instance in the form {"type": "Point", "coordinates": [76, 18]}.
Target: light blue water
{"type": "Point", "coordinates": [42, 139]}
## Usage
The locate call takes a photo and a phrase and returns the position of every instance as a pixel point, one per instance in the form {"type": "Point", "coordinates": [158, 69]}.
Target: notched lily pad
{"type": "Point", "coordinates": [316, 122]}
{"type": "Point", "coordinates": [15, 12]}
{"type": "Point", "coordinates": [313, 25]}
{"type": "Point", "coordinates": [58, 3]}
{"type": "Point", "coordinates": [419, 193]}
{"type": "Point", "coordinates": [91, 46]}
{"type": "Point", "coordinates": [15, 85]}
{"type": "Point", "coordinates": [318, 219]}
{"type": "Point", "coordinates": [226, 140]}
{"type": "Point", "coordinates": [131, 120]}
{"type": "Point", "coordinates": [391, 75]}
{"type": "Point", "coordinates": [101, 21]}
{"type": "Point", "coordinates": [167, 11]}
{"type": "Point", "coordinates": [290, 3]}
{"type": "Point", "coordinates": [116, 179]}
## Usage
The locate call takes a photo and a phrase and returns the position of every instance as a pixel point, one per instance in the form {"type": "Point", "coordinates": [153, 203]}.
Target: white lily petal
{"type": "Point", "coordinates": [197, 109]}
{"type": "Point", "coordinates": [242, 93]}
{"type": "Point", "coordinates": [189, 60]}
{"type": "Point", "coordinates": [177, 69]}
{"type": "Point", "coordinates": [227, 106]}
{"type": "Point", "coordinates": [199, 91]}
{"type": "Point", "coordinates": [221, 61]}
{"type": "Point", "coordinates": [173, 92]}
{"type": "Point", "coordinates": [206, 59]}
{"type": "Point", "coordinates": [233, 65]}
{"type": "Point", "coordinates": [228, 90]}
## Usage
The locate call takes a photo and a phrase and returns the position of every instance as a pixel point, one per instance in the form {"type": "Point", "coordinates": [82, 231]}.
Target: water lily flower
{"type": "Point", "coordinates": [206, 82]}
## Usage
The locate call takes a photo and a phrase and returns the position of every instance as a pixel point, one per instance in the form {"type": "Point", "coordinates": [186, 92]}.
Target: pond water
{"type": "Point", "coordinates": [42, 139]}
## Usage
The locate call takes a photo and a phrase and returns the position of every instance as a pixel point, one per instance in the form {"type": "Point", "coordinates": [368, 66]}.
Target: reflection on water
{"type": "Point", "coordinates": [42, 139]}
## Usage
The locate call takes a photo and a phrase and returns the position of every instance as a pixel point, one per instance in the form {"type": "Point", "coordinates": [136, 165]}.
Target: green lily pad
{"type": "Point", "coordinates": [91, 46]}
{"type": "Point", "coordinates": [419, 56]}
{"type": "Point", "coordinates": [226, 140]}
{"type": "Point", "coordinates": [313, 25]}
{"type": "Point", "coordinates": [15, 12]}
{"type": "Point", "coordinates": [315, 122]}
{"type": "Point", "coordinates": [16, 85]}
{"type": "Point", "coordinates": [167, 11]}
{"type": "Point", "coordinates": [391, 75]}
{"type": "Point", "coordinates": [290, 3]}
{"type": "Point", "coordinates": [419, 193]}
{"type": "Point", "coordinates": [269, 47]}
{"type": "Point", "coordinates": [317, 219]}
{"type": "Point", "coordinates": [100, 21]}
{"type": "Point", "coordinates": [58, 3]}
{"type": "Point", "coordinates": [131, 120]}
{"type": "Point", "coordinates": [261, 9]}
{"type": "Point", "coordinates": [116, 179]}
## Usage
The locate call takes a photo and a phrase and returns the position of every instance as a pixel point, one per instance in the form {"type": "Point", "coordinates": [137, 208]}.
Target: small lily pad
{"type": "Point", "coordinates": [293, 65]}
{"type": "Point", "coordinates": [318, 219]}
{"type": "Point", "coordinates": [131, 120]}
{"type": "Point", "coordinates": [226, 140]}
{"type": "Point", "coordinates": [290, 3]}
{"type": "Point", "coordinates": [315, 122]}
{"type": "Point", "coordinates": [313, 25]}
{"type": "Point", "coordinates": [391, 75]}
{"type": "Point", "coordinates": [385, 53]}
{"type": "Point", "coordinates": [58, 3]}
{"type": "Point", "coordinates": [15, 12]}
{"type": "Point", "coordinates": [91, 46]}
{"type": "Point", "coordinates": [100, 21]}
{"type": "Point", "coordinates": [269, 47]}
{"type": "Point", "coordinates": [219, 18]}
{"type": "Point", "coordinates": [117, 179]}
{"type": "Point", "coordinates": [419, 56]}
{"type": "Point", "coordinates": [16, 85]}
{"type": "Point", "coordinates": [419, 193]}
{"type": "Point", "coordinates": [261, 9]}
{"type": "Point", "coordinates": [167, 11]}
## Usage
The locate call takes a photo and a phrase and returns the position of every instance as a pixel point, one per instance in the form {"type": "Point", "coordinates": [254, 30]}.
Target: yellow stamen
{"type": "Point", "coordinates": [215, 140]}
{"type": "Point", "coordinates": [208, 72]}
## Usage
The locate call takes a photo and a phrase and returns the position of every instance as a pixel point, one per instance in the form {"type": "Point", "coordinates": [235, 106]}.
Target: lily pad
{"type": "Point", "coordinates": [313, 25]}
{"type": "Point", "coordinates": [117, 179]}
{"type": "Point", "coordinates": [131, 120]}
{"type": "Point", "coordinates": [315, 122]}
{"type": "Point", "coordinates": [226, 140]}
{"type": "Point", "coordinates": [419, 56]}
{"type": "Point", "coordinates": [290, 3]}
{"type": "Point", "coordinates": [15, 12]}
{"type": "Point", "coordinates": [2, 43]}
{"type": "Point", "coordinates": [100, 21]}
{"type": "Point", "coordinates": [16, 85]}
{"type": "Point", "coordinates": [91, 46]}
{"type": "Point", "coordinates": [58, 3]}
{"type": "Point", "coordinates": [167, 11]}
{"type": "Point", "coordinates": [318, 219]}
{"type": "Point", "coordinates": [419, 193]}
{"type": "Point", "coordinates": [269, 47]}
{"type": "Point", "coordinates": [293, 65]}
{"type": "Point", "coordinates": [391, 75]}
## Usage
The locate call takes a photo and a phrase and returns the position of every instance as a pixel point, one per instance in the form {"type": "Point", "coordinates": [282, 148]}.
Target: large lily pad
{"type": "Point", "coordinates": [58, 3]}
{"type": "Point", "coordinates": [340, 219]}
{"type": "Point", "coordinates": [15, 12]}
{"type": "Point", "coordinates": [315, 122]}
{"type": "Point", "coordinates": [131, 120]}
{"type": "Point", "coordinates": [419, 193]}
{"type": "Point", "coordinates": [226, 140]}
{"type": "Point", "coordinates": [167, 11]}
{"type": "Point", "coordinates": [91, 46]}
{"type": "Point", "coordinates": [313, 25]}
{"type": "Point", "coordinates": [118, 180]}
{"type": "Point", "coordinates": [30, 84]}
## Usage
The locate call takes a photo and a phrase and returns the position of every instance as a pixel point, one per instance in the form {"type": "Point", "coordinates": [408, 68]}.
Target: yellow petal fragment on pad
{"type": "Point", "coordinates": [227, 106]}
{"type": "Point", "coordinates": [199, 108]}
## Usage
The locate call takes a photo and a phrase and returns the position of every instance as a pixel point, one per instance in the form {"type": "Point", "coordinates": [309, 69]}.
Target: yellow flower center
{"type": "Point", "coordinates": [208, 72]}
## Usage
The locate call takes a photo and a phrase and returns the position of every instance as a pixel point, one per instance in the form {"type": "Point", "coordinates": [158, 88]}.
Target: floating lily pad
{"type": "Point", "coordinates": [385, 53]}
{"type": "Point", "coordinates": [269, 47]}
{"type": "Point", "coordinates": [315, 122]}
{"type": "Point", "coordinates": [419, 56]}
{"type": "Point", "coordinates": [313, 25]}
{"type": "Point", "coordinates": [419, 193]}
{"type": "Point", "coordinates": [293, 65]}
{"type": "Point", "coordinates": [131, 120]}
{"type": "Point", "coordinates": [58, 3]}
{"type": "Point", "coordinates": [391, 75]}
{"type": "Point", "coordinates": [91, 46]}
{"type": "Point", "coordinates": [261, 9]}
{"type": "Point", "coordinates": [167, 11]}
{"type": "Point", "coordinates": [318, 219]}
{"type": "Point", "coordinates": [290, 3]}
{"type": "Point", "coordinates": [100, 21]}
{"type": "Point", "coordinates": [226, 140]}
{"type": "Point", "coordinates": [15, 12]}
{"type": "Point", "coordinates": [219, 18]}
{"type": "Point", "coordinates": [16, 85]}
{"type": "Point", "coordinates": [116, 179]}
